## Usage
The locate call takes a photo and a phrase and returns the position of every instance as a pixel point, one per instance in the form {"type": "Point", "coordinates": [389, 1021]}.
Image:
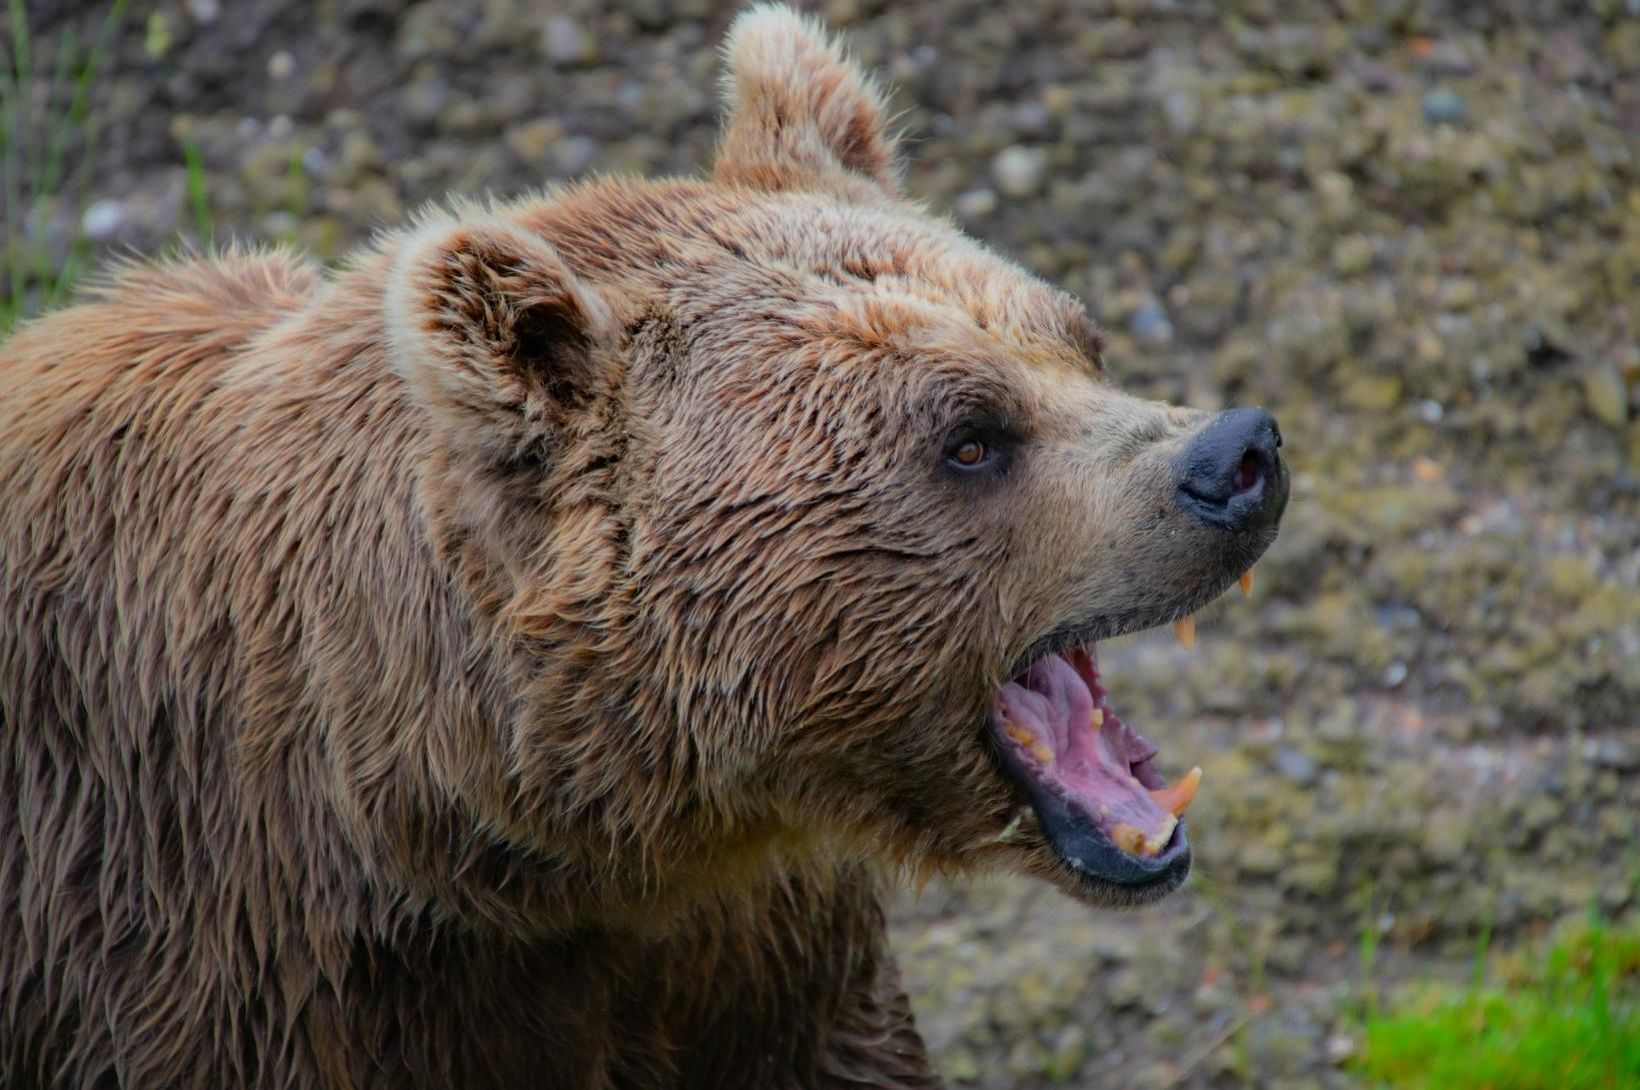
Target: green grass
{"type": "Point", "coordinates": [197, 200]}
{"type": "Point", "coordinates": [45, 125]}
{"type": "Point", "coordinates": [1567, 1019]}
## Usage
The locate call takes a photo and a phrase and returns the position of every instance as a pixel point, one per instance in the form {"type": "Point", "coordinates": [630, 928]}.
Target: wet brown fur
{"type": "Point", "coordinates": [508, 660]}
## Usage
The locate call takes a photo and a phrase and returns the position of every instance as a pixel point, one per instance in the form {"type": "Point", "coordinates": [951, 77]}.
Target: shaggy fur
{"type": "Point", "coordinates": [507, 660]}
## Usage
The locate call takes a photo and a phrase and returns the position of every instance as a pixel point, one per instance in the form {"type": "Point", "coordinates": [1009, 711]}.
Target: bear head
{"type": "Point", "coordinates": [796, 514]}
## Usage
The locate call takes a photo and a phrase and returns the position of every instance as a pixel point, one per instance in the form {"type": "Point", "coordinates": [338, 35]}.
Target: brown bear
{"type": "Point", "coordinates": [511, 659]}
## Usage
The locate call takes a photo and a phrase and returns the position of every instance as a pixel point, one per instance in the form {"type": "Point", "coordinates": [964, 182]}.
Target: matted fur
{"type": "Point", "coordinates": [507, 660]}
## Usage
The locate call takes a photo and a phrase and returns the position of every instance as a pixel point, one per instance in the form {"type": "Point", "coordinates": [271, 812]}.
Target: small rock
{"type": "Point", "coordinates": [1427, 347]}
{"type": "Point", "coordinates": [1149, 321]}
{"type": "Point", "coordinates": [358, 157]}
{"type": "Point", "coordinates": [1608, 399]}
{"type": "Point", "coordinates": [976, 204]}
{"type": "Point", "coordinates": [204, 11]}
{"type": "Point", "coordinates": [1070, 1052]}
{"type": "Point", "coordinates": [1019, 170]}
{"type": "Point", "coordinates": [1183, 110]}
{"type": "Point", "coordinates": [281, 65]}
{"type": "Point", "coordinates": [1261, 860]}
{"type": "Point", "coordinates": [1352, 255]}
{"type": "Point", "coordinates": [532, 139]}
{"type": "Point", "coordinates": [280, 224]}
{"type": "Point", "coordinates": [1340, 1047]}
{"type": "Point", "coordinates": [564, 42]}
{"type": "Point", "coordinates": [102, 220]}
{"type": "Point", "coordinates": [1444, 106]}
{"type": "Point", "coordinates": [574, 155]}
{"type": "Point", "coordinates": [1031, 119]}
{"type": "Point", "coordinates": [1296, 765]}
{"type": "Point", "coordinates": [1613, 753]}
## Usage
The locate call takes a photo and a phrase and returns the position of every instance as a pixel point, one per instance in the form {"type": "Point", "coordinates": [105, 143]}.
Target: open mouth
{"type": "Point", "coordinates": [1091, 778]}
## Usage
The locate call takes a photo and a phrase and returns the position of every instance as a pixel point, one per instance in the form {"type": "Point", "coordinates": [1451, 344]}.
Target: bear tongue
{"type": "Point", "coordinates": [1070, 742]}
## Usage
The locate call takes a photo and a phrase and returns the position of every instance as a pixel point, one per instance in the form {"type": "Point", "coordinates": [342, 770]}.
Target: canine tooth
{"type": "Point", "coordinates": [1156, 841]}
{"type": "Point", "coordinates": [1042, 752]}
{"type": "Point", "coordinates": [1246, 582]}
{"type": "Point", "coordinates": [1097, 719]}
{"type": "Point", "coordinates": [1185, 629]}
{"type": "Point", "coordinates": [1176, 798]}
{"type": "Point", "coordinates": [1019, 734]}
{"type": "Point", "coordinates": [1130, 838]}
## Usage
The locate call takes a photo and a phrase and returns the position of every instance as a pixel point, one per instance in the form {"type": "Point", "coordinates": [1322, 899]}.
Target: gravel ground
{"type": "Point", "coordinates": [1411, 230]}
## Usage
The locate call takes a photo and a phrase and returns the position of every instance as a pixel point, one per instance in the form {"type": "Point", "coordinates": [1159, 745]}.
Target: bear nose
{"type": "Point", "coordinates": [1231, 474]}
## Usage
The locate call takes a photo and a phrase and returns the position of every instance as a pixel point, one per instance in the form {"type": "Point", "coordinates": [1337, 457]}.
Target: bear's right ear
{"type": "Point", "coordinates": [495, 336]}
{"type": "Point", "coordinates": [800, 113]}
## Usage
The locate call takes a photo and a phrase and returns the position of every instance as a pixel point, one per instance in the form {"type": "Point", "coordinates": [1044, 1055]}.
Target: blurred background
{"type": "Point", "coordinates": [1409, 229]}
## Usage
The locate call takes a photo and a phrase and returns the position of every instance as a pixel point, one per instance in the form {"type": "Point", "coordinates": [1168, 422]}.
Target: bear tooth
{"type": "Point", "coordinates": [1019, 734]}
{"type": "Point", "coordinates": [1185, 629]}
{"type": "Point", "coordinates": [1097, 719]}
{"type": "Point", "coordinates": [1042, 753]}
{"type": "Point", "coordinates": [1176, 798]}
{"type": "Point", "coordinates": [1156, 841]}
{"type": "Point", "coordinates": [1130, 838]}
{"type": "Point", "coordinates": [1246, 582]}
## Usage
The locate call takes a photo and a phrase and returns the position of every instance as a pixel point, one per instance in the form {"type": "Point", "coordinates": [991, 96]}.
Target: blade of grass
{"type": "Point", "coordinates": [13, 92]}
{"type": "Point", "coordinates": [1483, 945]}
{"type": "Point", "coordinates": [196, 190]}
{"type": "Point", "coordinates": [41, 182]}
{"type": "Point", "coordinates": [79, 106]}
{"type": "Point", "coordinates": [80, 115]}
{"type": "Point", "coordinates": [8, 302]}
{"type": "Point", "coordinates": [1367, 952]}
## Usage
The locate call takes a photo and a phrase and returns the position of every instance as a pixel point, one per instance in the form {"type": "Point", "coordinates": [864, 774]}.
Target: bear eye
{"type": "Point", "coordinates": [970, 453]}
{"type": "Point", "coordinates": [976, 450]}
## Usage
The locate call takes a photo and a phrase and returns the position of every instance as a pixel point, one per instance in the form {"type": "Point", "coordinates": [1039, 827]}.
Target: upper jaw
{"type": "Point", "coordinates": [1104, 626]}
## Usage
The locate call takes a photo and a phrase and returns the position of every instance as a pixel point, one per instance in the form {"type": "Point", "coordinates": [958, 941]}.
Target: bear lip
{"type": "Point", "coordinates": [1089, 776]}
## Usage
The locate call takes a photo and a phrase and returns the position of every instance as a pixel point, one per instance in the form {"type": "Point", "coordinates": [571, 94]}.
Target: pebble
{"type": "Point", "coordinates": [1607, 397]}
{"type": "Point", "coordinates": [976, 204]}
{"type": "Point", "coordinates": [533, 139]}
{"type": "Point", "coordinates": [1149, 321]}
{"type": "Point", "coordinates": [1352, 255]}
{"type": "Point", "coordinates": [1340, 1047]}
{"type": "Point", "coordinates": [1019, 170]}
{"type": "Point", "coordinates": [564, 42]}
{"type": "Point", "coordinates": [574, 155]}
{"type": "Point", "coordinates": [1444, 106]}
{"type": "Point", "coordinates": [1296, 765]}
{"type": "Point", "coordinates": [102, 220]}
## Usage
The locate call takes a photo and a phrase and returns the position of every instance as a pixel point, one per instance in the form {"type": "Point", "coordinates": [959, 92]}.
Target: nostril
{"type": "Point", "coordinates": [1230, 473]}
{"type": "Point", "coordinates": [1249, 472]}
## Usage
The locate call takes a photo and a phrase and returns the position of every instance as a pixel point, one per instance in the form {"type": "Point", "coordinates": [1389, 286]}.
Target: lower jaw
{"type": "Point", "coordinates": [1106, 814]}
{"type": "Point", "coordinates": [1089, 856]}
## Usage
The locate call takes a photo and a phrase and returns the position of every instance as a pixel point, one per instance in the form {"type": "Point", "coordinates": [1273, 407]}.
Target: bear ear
{"type": "Point", "coordinates": [495, 336]}
{"type": "Point", "coordinates": [799, 113]}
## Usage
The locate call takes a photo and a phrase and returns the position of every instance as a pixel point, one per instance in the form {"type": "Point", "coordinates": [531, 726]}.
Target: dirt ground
{"type": "Point", "coordinates": [1411, 230]}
